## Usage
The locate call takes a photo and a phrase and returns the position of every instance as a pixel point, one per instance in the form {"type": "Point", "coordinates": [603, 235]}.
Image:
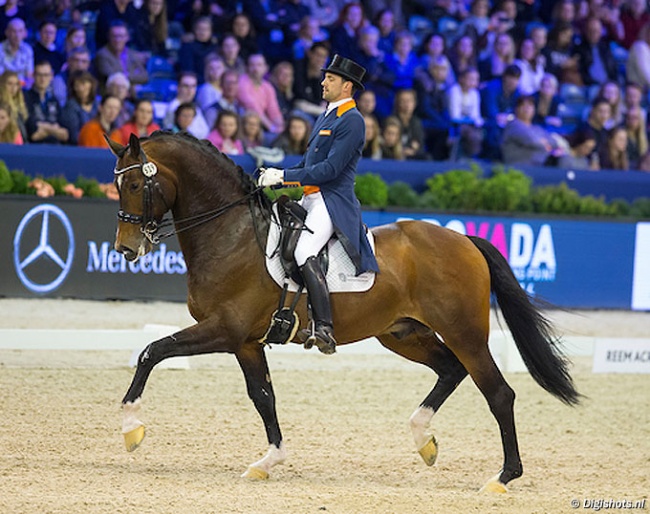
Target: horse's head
{"type": "Point", "coordinates": [145, 196]}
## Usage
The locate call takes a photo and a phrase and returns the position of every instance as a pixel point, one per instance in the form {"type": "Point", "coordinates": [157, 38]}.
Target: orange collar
{"type": "Point", "coordinates": [343, 108]}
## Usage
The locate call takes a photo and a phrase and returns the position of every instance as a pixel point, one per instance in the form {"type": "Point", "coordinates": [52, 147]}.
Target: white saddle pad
{"type": "Point", "coordinates": [340, 273]}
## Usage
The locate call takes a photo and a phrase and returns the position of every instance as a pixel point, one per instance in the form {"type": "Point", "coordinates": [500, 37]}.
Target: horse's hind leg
{"type": "Point", "coordinates": [252, 359]}
{"type": "Point", "coordinates": [500, 398]}
{"type": "Point", "coordinates": [426, 348]}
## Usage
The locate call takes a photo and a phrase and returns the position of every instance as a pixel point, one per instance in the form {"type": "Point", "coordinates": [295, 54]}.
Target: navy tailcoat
{"type": "Point", "coordinates": [330, 163]}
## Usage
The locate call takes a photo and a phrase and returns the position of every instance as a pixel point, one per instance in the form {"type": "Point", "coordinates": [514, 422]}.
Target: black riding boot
{"type": "Point", "coordinates": [319, 298]}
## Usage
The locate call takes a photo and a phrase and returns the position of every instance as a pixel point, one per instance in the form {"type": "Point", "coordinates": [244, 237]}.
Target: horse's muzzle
{"type": "Point", "coordinates": [128, 253]}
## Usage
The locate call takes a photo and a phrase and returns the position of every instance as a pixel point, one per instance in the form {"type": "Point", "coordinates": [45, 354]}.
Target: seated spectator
{"type": "Point", "coordinates": [116, 56]}
{"type": "Point", "coordinates": [184, 117]}
{"type": "Point", "coordinates": [92, 133]}
{"type": "Point", "coordinates": [547, 104]}
{"type": "Point", "coordinates": [224, 134]}
{"type": "Point", "coordinates": [12, 95]}
{"type": "Point", "coordinates": [228, 101]}
{"type": "Point", "coordinates": [15, 54]}
{"type": "Point", "coordinates": [372, 143]}
{"type": "Point", "coordinates": [257, 94]}
{"type": "Point", "coordinates": [433, 49]}
{"type": "Point", "coordinates": [412, 131]}
{"type": "Point", "coordinates": [522, 141]}
{"type": "Point", "coordinates": [151, 28]}
{"type": "Point", "coordinates": [465, 112]}
{"type": "Point", "coordinates": [191, 56]}
{"type": "Point", "coordinates": [387, 24]}
{"type": "Point", "coordinates": [242, 29]}
{"type": "Point", "coordinates": [307, 79]}
{"type": "Point", "coordinates": [82, 105]}
{"type": "Point", "coordinates": [45, 47]}
{"type": "Point", "coordinates": [634, 15]}
{"type": "Point", "coordinates": [75, 37]}
{"type": "Point", "coordinates": [78, 60]}
{"type": "Point", "coordinates": [44, 123]}
{"type": "Point", "coordinates": [308, 34]}
{"type": "Point", "coordinates": [9, 132]}
{"type": "Point", "coordinates": [613, 155]}
{"type": "Point", "coordinates": [638, 60]}
{"type": "Point", "coordinates": [637, 136]}
{"type": "Point", "coordinates": [500, 24]}
{"type": "Point", "coordinates": [391, 139]}
{"type": "Point", "coordinates": [378, 79]}
{"type": "Point", "coordinates": [595, 59]}
{"type": "Point", "coordinates": [10, 10]}
{"type": "Point", "coordinates": [402, 61]}
{"type": "Point", "coordinates": [282, 79]}
{"type": "Point", "coordinates": [230, 53]}
{"type": "Point", "coordinates": [187, 84]}
{"type": "Point", "coordinates": [110, 12]}
{"type": "Point", "coordinates": [295, 138]}
{"type": "Point", "coordinates": [209, 92]}
{"type": "Point", "coordinates": [599, 119]}
{"type": "Point", "coordinates": [582, 155]}
{"type": "Point", "coordinates": [252, 133]}
{"type": "Point", "coordinates": [462, 55]}
{"type": "Point", "coordinates": [141, 124]}
{"type": "Point", "coordinates": [539, 35]}
{"type": "Point", "coordinates": [433, 106]}
{"type": "Point", "coordinates": [611, 92]}
{"type": "Point", "coordinates": [498, 100]}
{"type": "Point", "coordinates": [118, 85]}
{"type": "Point", "coordinates": [477, 23]}
{"type": "Point", "coordinates": [344, 34]}
{"type": "Point", "coordinates": [561, 59]}
{"type": "Point", "coordinates": [531, 65]}
{"type": "Point", "coordinates": [503, 56]}
{"type": "Point", "coordinates": [366, 102]}
{"type": "Point", "coordinates": [634, 98]}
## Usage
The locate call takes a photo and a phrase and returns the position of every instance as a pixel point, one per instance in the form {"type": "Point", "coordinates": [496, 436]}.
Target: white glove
{"type": "Point", "coordinates": [270, 177]}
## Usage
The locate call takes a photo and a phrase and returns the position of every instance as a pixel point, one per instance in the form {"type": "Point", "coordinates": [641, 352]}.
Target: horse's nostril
{"type": "Point", "coordinates": [129, 254]}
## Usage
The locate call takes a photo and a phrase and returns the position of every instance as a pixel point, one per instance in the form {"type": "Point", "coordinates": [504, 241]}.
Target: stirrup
{"type": "Point", "coordinates": [323, 340]}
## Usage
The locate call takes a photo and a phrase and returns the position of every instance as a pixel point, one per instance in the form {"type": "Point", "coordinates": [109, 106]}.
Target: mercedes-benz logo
{"type": "Point", "coordinates": [45, 263]}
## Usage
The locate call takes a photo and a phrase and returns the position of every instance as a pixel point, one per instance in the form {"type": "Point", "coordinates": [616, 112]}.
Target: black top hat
{"type": "Point", "coordinates": [348, 69]}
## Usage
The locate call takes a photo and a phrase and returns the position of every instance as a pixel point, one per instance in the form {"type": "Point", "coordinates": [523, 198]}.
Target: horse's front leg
{"type": "Point", "coordinates": [198, 339]}
{"type": "Point", "coordinates": [252, 359]}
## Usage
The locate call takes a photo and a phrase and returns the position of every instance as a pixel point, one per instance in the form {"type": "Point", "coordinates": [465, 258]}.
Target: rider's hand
{"type": "Point", "coordinates": [270, 177]}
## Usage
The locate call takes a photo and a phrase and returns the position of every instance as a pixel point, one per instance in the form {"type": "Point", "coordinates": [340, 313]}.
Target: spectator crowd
{"type": "Point", "coordinates": [530, 82]}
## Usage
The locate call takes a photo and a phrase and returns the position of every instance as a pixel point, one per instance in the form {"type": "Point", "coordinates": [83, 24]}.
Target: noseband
{"type": "Point", "coordinates": [148, 224]}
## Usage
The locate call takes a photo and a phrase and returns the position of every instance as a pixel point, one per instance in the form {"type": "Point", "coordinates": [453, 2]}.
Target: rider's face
{"type": "Point", "coordinates": [334, 88]}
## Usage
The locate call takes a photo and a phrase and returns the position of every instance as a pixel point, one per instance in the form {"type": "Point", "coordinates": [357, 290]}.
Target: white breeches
{"type": "Point", "coordinates": [318, 220]}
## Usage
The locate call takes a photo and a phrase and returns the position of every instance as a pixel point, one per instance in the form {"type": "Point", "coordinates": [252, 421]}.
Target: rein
{"type": "Point", "coordinates": [150, 226]}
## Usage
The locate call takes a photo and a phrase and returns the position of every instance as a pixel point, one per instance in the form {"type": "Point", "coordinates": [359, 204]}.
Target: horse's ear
{"type": "Point", "coordinates": [134, 145]}
{"type": "Point", "coordinates": [115, 147]}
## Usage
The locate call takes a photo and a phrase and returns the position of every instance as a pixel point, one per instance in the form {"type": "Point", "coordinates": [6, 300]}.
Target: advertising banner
{"type": "Point", "coordinates": [63, 247]}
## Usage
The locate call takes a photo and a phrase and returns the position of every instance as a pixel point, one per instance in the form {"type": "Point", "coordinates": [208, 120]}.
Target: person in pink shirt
{"type": "Point", "coordinates": [257, 94]}
{"type": "Point", "coordinates": [142, 123]}
{"type": "Point", "coordinates": [9, 132]}
{"type": "Point", "coordinates": [224, 134]}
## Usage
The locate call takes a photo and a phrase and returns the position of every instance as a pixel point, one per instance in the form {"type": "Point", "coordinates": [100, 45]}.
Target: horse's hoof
{"type": "Point", "coordinates": [255, 473]}
{"type": "Point", "coordinates": [494, 486]}
{"type": "Point", "coordinates": [134, 438]}
{"type": "Point", "coordinates": [429, 452]}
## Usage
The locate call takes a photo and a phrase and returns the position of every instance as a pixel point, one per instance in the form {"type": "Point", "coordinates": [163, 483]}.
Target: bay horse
{"type": "Point", "coordinates": [430, 303]}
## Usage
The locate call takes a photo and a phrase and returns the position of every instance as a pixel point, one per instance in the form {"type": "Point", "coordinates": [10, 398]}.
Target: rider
{"type": "Point", "coordinates": [327, 173]}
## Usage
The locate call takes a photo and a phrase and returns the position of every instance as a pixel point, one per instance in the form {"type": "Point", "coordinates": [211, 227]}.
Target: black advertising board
{"type": "Point", "coordinates": [63, 247]}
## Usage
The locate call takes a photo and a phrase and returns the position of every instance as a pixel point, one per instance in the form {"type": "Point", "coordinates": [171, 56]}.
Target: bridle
{"type": "Point", "coordinates": [149, 225]}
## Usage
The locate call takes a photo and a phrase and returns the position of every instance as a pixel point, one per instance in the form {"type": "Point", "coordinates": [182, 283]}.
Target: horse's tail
{"type": "Point", "coordinates": [532, 332]}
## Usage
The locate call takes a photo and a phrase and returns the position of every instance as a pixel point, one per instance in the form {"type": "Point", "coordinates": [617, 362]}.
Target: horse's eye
{"type": "Point", "coordinates": [134, 186]}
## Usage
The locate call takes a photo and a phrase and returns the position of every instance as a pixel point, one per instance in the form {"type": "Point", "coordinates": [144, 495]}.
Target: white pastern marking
{"type": "Point", "coordinates": [420, 421]}
{"type": "Point", "coordinates": [273, 457]}
{"type": "Point", "coordinates": [130, 412]}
